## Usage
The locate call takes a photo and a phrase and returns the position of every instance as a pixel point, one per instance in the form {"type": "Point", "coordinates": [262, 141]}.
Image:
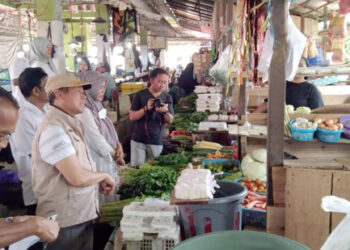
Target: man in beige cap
{"type": "Point", "coordinates": [64, 175]}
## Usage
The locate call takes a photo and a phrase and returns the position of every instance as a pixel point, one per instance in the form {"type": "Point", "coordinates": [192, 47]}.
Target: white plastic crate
{"type": "Point", "coordinates": [148, 242]}
{"type": "Point", "coordinates": [149, 217]}
{"type": "Point", "coordinates": [151, 243]}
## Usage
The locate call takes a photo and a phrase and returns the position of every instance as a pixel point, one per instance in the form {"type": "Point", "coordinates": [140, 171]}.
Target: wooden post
{"type": "Point", "coordinates": [229, 20]}
{"type": "Point", "coordinates": [277, 85]}
{"type": "Point", "coordinates": [302, 24]}
{"type": "Point", "coordinates": [243, 102]}
{"type": "Point", "coordinates": [324, 39]}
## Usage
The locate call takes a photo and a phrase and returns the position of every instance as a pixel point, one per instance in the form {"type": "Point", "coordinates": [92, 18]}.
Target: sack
{"type": "Point", "coordinates": [339, 239]}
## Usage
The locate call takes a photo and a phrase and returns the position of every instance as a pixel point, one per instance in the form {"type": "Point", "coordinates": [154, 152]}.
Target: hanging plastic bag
{"type": "Point", "coordinates": [339, 239]}
{"type": "Point", "coordinates": [220, 70]}
{"type": "Point", "coordinates": [295, 46]}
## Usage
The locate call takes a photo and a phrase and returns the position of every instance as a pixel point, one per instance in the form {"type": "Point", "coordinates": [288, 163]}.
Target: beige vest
{"type": "Point", "coordinates": [73, 205]}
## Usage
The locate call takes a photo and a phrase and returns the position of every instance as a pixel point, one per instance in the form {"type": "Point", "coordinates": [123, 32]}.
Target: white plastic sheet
{"type": "Point", "coordinates": [339, 239]}
{"type": "Point", "coordinates": [295, 46]}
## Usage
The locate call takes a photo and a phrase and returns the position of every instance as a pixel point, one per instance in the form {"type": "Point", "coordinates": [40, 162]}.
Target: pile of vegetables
{"type": "Point", "coordinates": [186, 104]}
{"type": "Point", "coordinates": [148, 181]}
{"type": "Point", "coordinates": [205, 151]}
{"type": "Point", "coordinates": [254, 185]}
{"type": "Point", "coordinates": [328, 124]}
{"type": "Point", "coordinates": [113, 212]}
{"type": "Point", "coordinates": [255, 201]}
{"type": "Point", "coordinates": [303, 123]}
{"type": "Point", "coordinates": [300, 110]}
{"type": "Point", "coordinates": [218, 155]}
{"type": "Point", "coordinates": [207, 145]}
{"type": "Point", "coordinates": [254, 165]}
{"type": "Point", "coordinates": [189, 121]}
{"type": "Point", "coordinates": [175, 160]}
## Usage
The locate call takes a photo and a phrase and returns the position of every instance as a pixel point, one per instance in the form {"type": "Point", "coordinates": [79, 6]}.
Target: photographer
{"type": "Point", "coordinates": [151, 108]}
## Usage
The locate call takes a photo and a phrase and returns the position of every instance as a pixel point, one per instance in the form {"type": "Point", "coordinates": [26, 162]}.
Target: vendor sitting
{"type": "Point", "coordinates": [301, 93]}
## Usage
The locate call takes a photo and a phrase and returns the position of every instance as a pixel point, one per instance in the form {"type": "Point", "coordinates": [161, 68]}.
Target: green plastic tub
{"type": "Point", "coordinates": [239, 240]}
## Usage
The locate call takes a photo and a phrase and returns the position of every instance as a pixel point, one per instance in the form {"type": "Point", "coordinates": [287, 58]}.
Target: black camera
{"type": "Point", "coordinates": [158, 103]}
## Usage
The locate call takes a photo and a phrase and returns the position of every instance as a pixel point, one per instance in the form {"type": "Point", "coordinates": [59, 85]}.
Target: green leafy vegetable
{"type": "Point", "coordinates": [148, 181]}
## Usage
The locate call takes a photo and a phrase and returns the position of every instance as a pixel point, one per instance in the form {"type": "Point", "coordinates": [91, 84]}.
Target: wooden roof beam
{"type": "Point", "coordinates": [197, 10]}
{"type": "Point", "coordinates": [328, 2]}
{"type": "Point", "coordinates": [190, 11]}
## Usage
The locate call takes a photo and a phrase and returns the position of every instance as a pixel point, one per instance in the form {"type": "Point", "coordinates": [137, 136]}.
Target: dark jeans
{"type": "Point", "coordinates": [78, 237]}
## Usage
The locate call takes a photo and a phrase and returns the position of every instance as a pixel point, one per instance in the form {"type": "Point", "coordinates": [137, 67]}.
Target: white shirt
{"type": "Point", "coordinates": [29, 117]}
{"type": "Point", "coordinates": [15, 70]}
{"type": "Point", "coordinates": [55, 144]}
{"type": "Point", "coordinates": [43, 66]}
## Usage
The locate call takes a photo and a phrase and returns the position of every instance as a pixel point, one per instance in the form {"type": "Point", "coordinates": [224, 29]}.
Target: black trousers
{"type": "Point", "coordinates": [78, 237]}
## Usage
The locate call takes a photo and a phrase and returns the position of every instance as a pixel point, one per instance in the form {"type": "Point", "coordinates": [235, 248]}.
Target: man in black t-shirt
{"type": "Point", "coordinates": [151, 108]}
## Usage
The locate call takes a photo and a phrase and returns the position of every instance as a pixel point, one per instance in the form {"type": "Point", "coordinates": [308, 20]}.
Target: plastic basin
{"type": "Point", "coordinates": [345, 120]}
{"type": "Point", "coordinates": [301, 134]}
{"type": "Point", "coordinates": [239, 240]}
{"type": "Point", "coordinates": [224, 212]}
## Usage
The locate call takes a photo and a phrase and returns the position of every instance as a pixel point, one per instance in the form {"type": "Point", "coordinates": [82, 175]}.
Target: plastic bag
{"type": "Point", "coordinates": [295, 46]}
{"type": "Point", "coordinates": [220, 70]}
{"type": "Point", "coordinates": [340, 237]}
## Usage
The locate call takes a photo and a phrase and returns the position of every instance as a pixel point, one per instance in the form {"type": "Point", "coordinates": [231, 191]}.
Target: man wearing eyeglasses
{"type": "Point", "coordinates": [13, 229]}
{"type": "Point", "coordinates": [32, 85]}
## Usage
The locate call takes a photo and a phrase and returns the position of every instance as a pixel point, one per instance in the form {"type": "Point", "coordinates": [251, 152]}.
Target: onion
{"type": "Point", "coordinates": [340, 126]}
{"type": "Point", "coordinates": [322, 126]}
{"type": "Point", "coordinates": [333, 127]}
{"type": "Point", "coordinates": [329, 122]}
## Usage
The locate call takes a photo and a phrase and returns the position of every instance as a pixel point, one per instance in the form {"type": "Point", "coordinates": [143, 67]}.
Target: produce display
{"type": "Point", "coordinates": [218, 155]}
{"type": "Point", "coordinates": [113, 211]}
{"type": "Point", "coordinates": [303, 123]}
{"type": "Point", "coordinates": [175, 160]}
{"type": "Point", "coordinates": [328, 124]}
{"type": "Point", "coordinates": [255, 201]}
{"type": "Point", "coordinates": [254, 164]}
{"type": "Point", "coordinates": [148, 181]}
{"type": "Point", "coordinates": [254, 185]}
{"type": "Point", "coordinates": [205, 151]}
{"type": "Point", "coordinates": [186, 104]}
{"type": "Point", "coordinates": [207, 145]}
{"type": "Point", "coordinates": [188, 121]}
{"type": "Point", "coordinates": [300, 110]}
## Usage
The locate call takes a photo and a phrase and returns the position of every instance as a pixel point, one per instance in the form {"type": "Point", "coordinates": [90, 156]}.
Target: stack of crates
{"type": "Point", "coordinates": [133, 86]}
{"type": "Point", "coordinates": [149, 226]}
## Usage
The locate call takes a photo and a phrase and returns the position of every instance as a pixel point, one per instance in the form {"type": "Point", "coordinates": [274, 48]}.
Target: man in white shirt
{"type": "Point", "coordinates": [65, 181]}
{"type": "Point", "coordinates": [32, 85]}
{"type": "Point", "coordinates": [15, 69]}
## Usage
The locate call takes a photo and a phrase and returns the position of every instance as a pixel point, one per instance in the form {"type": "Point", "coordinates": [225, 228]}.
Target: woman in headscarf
{"type": "Point", "coordinates": [100, 133]}
{"type": "Point", "coordinates": [84, 64]}
{"type": "Point", "coordinates": [40, 55]}
{"type": "Point", "coordinates": [187, 80]}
